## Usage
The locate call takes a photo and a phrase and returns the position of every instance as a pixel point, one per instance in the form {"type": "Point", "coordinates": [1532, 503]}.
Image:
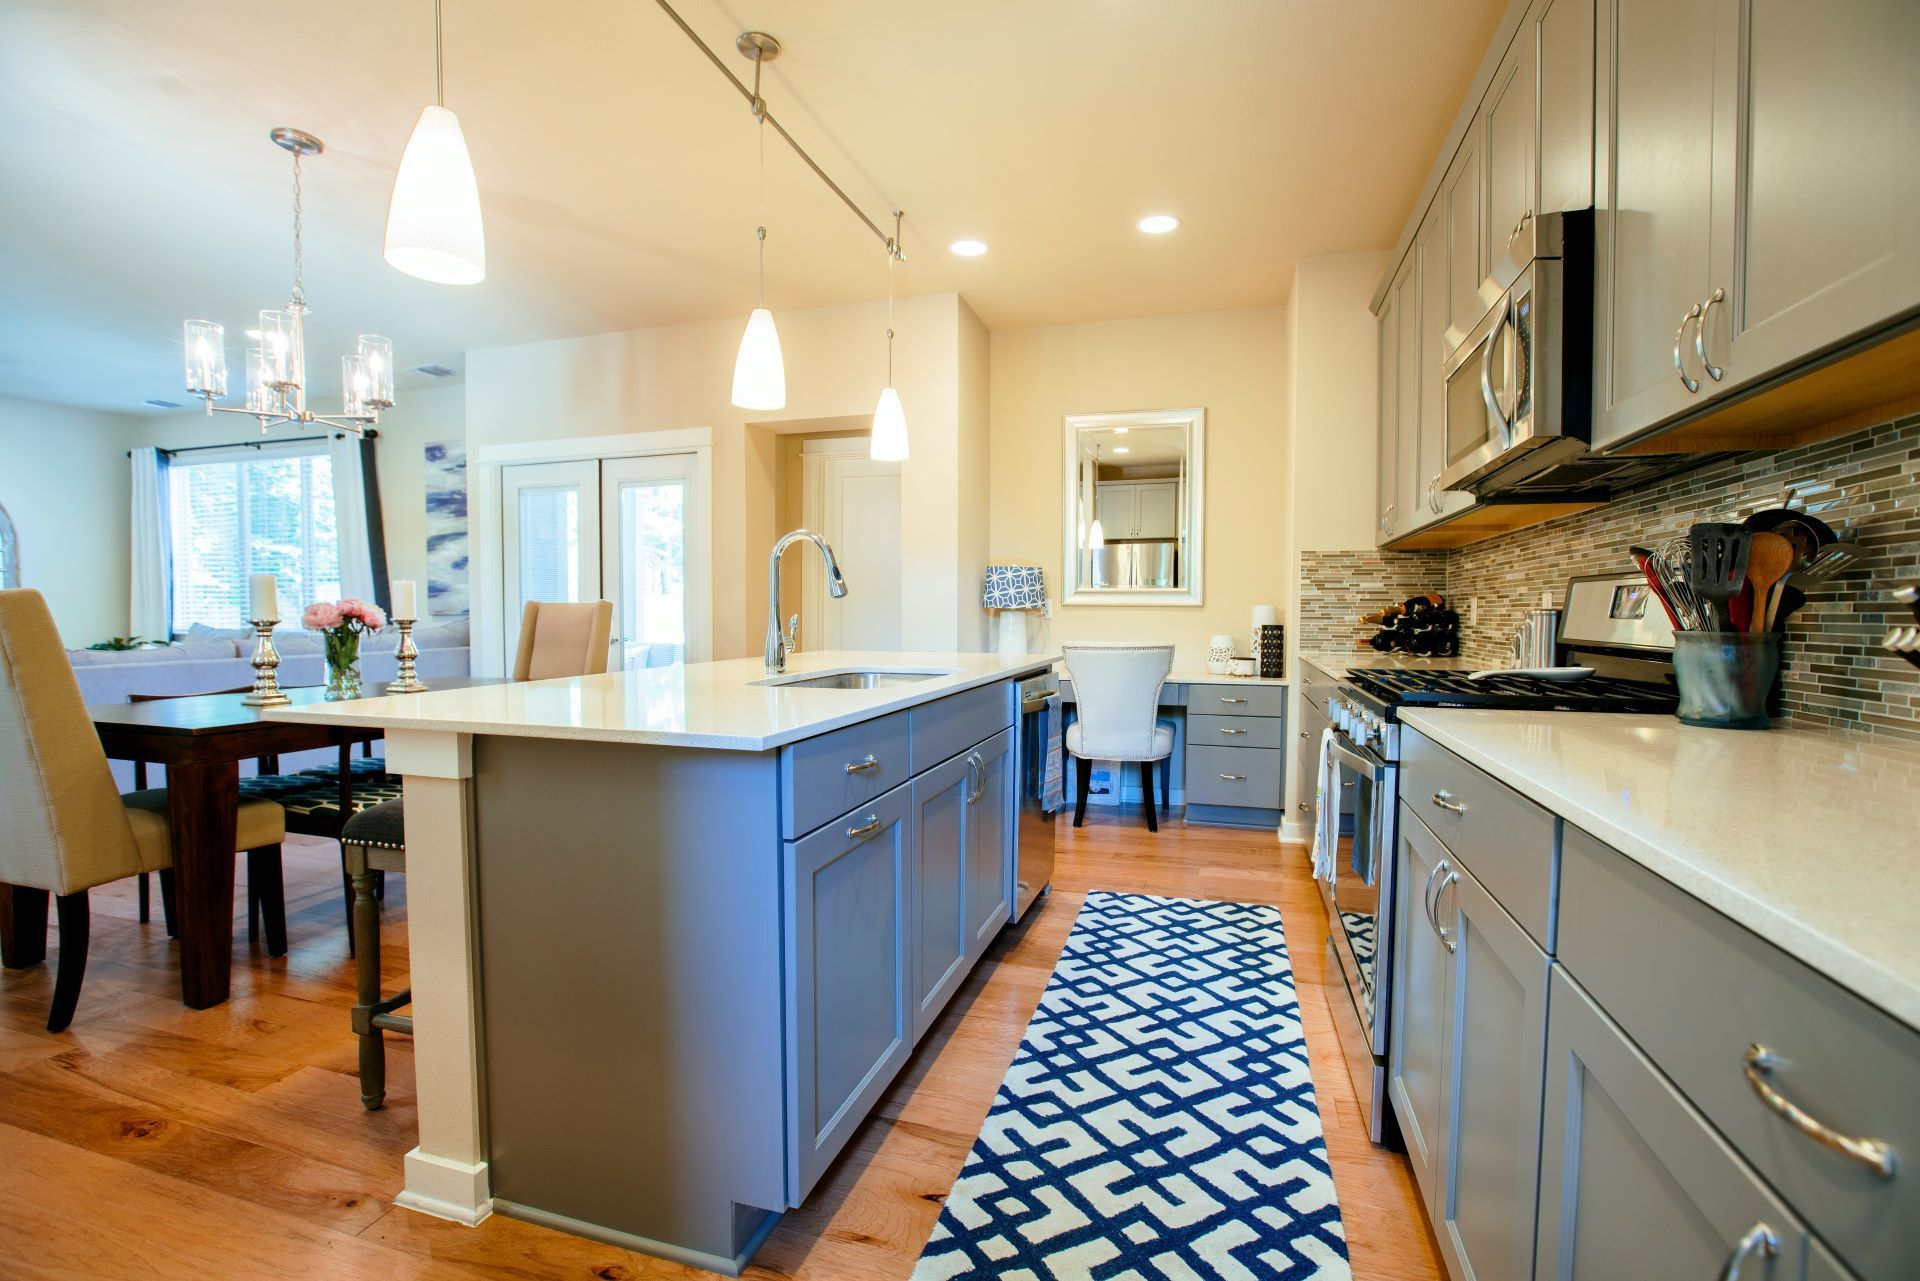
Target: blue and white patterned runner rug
{"type": "Point", "coordinates": [1158, 1123]}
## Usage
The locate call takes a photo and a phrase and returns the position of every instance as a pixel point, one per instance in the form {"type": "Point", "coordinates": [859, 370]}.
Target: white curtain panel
{"type": "Point", "coordinates": [350, 517]}
{"type": "Point", "coordinates": [149, 610]}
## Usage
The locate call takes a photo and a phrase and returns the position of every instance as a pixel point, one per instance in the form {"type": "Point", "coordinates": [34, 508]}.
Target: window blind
{"type": "Point", "coordinates": [258, 514]}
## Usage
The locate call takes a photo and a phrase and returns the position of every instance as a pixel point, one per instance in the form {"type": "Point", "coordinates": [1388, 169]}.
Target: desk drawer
{"type": "Point", "coordinates": [1236, 731]}
{"type": "Point", "coordinates": [1507, 842]}
{"type": "Point", "coordinates": [1694, 990]}
{"type": "Point", "coordinates": [829, 775]}
{"type": "Point", "coordinates": [944, 729]}
{"type": "Point", "coordinates": [1234, 776]}
{"type": "Point", "coordinates": [1237, 700]}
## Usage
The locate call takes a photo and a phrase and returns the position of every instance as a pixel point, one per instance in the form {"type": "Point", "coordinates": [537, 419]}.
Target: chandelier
{"type": "Point", "coordinates": [277, 363]}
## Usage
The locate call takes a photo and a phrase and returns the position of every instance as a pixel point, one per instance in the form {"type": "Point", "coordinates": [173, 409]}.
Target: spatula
{"type": "Point", "coordinates": [1769, 558]}
{"type": "Point", "coordinates": [1717, 562]}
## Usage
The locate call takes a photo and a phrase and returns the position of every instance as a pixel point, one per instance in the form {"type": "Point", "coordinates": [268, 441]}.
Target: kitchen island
{"type": "Point", "coordinates": [674, 931]}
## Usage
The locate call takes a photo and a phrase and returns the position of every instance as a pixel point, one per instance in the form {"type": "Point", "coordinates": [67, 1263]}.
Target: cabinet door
{"type": "Point", "coordinates": [1389, 435]}
{"type": "Point", "coordinates": [990, 828]}
{"type": "Point", "coordinates": [1116, 510]}
{"type": "Point", "coordinates": [1417, 1064]}
{"type": "Point", "coordinates": [1463, 217]}
{"type": "Point", "coordinates": [1508, 128]}
{"type": "Point", "coordinates": [1655, 93]}
{"type": "Point", "coordinates": [941, 798]}
{"type": "Point", "coordinates": [1564, 31]}
{"type": "Point", "coordinates": [1156, 510]}
{"type": "Point", "coordinates": [1817, 237]}
{"type": "Point", "coordinates": [1496, 1049]}
{"type": "Point", "coordinates": [1410, 510]}
{"type": "Point", "coordinates": [1430, 449]}
{"type": "Point", "coordinates": [848, 1010]}
{"type": "Point", "coordinates": [1306, 765]}
{"type": "Point", "coordinates": [1634, 1183]}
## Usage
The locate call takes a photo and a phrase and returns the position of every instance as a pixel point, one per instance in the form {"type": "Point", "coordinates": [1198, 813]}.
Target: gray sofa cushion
{"type": "Point", "coordinates": [183, 652]}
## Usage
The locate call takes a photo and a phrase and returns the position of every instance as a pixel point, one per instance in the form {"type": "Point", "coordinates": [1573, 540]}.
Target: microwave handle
{"type": "Point", "coordinates": [1486, 371]}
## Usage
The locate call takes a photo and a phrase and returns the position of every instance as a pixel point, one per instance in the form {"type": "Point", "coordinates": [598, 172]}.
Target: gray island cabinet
{"type": "Point", "coordinates": [673, 933]}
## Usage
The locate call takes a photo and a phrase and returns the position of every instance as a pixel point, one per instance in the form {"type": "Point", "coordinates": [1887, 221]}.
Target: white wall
{"type": "Point", "coordinates": [65, 482]}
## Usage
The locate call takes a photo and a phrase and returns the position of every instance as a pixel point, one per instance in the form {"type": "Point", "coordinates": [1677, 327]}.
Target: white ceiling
{"type": "Point", "coordinates": [137, 186]}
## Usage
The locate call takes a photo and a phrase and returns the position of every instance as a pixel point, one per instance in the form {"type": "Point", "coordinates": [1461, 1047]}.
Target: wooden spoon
{"type": "Point", "coordinates": [1769, 560]}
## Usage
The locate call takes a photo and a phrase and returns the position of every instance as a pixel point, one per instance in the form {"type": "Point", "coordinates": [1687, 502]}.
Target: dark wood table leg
{"type": "Point", "coordinates": [203, 803]}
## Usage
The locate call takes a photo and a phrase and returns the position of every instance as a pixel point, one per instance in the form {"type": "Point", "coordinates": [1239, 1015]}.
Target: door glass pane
{"type": "Point", "coordinates": [652, 560]}
{"type": "Point", "coordinates": [549, 544]}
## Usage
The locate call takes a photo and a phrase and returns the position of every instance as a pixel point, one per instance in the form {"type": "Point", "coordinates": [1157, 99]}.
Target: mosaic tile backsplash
{"type": "Point", "coordinates": [1835, 672]}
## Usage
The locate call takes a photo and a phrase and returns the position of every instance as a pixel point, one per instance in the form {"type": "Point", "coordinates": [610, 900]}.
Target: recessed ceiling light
{"type": "Point", "coordinates": [968, 248]}
{"type": "Point", "coordinates": [1120, 431]}
{"type": "Point", "coordinates": [1158, 224]}
{"type": "Point", "coordinates": [1121, 449]}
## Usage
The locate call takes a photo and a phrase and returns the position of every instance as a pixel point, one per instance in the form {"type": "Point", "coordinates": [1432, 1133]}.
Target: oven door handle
{"type": "Point", "coordinates": [1373, 771]}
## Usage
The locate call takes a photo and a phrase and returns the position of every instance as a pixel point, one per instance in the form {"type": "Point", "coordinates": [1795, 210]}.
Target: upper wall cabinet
{"type": "Point", "coordinates": [1509, 131]}
{"type": "Point", "coordinates": [1758, 168]}
{"type": "Point", "coordinates": [1463, 215]}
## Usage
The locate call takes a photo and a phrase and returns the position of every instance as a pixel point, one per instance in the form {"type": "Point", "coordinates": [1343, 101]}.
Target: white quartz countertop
{"type": "Point", "coordinates": [1809, 838]}
{"type": "Point", "coordinates": [706, 705]}
{"type": "Point", "coordinates": [1338, 663]}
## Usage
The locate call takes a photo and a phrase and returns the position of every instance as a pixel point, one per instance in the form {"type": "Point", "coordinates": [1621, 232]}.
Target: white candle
{"type": "Point", "coordinates": [265, 599]}
{"type": "Point", "coordinates": [404, 605]}
{"type": "Point", "coordinates": [1265, 616]}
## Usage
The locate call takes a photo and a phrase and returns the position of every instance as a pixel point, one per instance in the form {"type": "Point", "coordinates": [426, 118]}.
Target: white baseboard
{"type": "Point", "coordinates": [1295, 832]}
{"type": "Point", "coordinates": [453, 1190]}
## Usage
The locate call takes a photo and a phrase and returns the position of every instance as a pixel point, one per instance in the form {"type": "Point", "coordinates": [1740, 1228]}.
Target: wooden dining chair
{"type": "Point", "coordinates": [68, 827]}
{"type": "Point", "coordinates": [556, 640]}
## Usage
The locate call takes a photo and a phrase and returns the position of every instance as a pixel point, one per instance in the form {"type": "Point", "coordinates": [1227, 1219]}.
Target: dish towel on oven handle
{"type": "Point", "coordinates": [1326, 816]}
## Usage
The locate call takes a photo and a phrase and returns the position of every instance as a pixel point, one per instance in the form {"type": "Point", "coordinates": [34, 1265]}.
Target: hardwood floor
{"type": "Point", "coordinates": [155, 1141]}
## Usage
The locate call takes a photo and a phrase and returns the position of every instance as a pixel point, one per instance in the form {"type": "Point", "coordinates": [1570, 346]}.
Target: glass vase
{"type": "Point", "coordinates": [343, 664]}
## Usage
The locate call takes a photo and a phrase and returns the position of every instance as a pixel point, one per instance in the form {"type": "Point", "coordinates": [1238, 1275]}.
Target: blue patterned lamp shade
{"type": "Point", "coordinates": [1015, 587]}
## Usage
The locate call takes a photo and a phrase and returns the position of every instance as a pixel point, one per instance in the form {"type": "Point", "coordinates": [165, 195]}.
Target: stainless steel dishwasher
{"type": "Point", "coordinates": [1033, 834]}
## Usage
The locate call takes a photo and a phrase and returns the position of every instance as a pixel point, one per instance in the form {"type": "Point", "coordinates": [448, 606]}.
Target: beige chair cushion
{"type": "Point", "coordinates": [563, 638]}
{"type": "Point", "coordinates": [261, 823]}
{"type": "Point", "coordinates": [66, 830]}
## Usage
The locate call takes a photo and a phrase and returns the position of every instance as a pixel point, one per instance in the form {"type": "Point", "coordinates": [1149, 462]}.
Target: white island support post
{"type": "Point", "coordinates": [446, 1175]}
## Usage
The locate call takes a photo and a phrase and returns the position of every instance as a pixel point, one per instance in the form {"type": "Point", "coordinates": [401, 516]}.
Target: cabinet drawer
{"type": "Point", "coordinates": [1237, 700]}
{"type": "Point", "coordinates": [829, 775]}
{"type": "Point", "coordinates": [1233, 776]}
{"type": "Point", "coordinates": [1315, 686]}
{"type": "Point", "coordinates": [1507, 841]}
{"type": "Point", "coordinates": [1695, 990]}
{"type": "Point", "coordinates": [944, 729]}
{"type": "Point", "coordinates": [1236, 731]}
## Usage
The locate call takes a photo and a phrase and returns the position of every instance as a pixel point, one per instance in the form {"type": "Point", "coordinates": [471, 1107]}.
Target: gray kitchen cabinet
{"type": "Point", "coordinates": [1306, 762]}
{"type": "Point", "coordinates": [850, 894]}
{"type": "Point", "coordinates": [1563, 31]}
{"type": "Point", "coordinates": [1416, 1073]}
{"type": "Point", "coordinates": [1508, 125]}
{"type": "Point", "coordinates": [939, 850]}
{"type": "Point", "coordinates": [990, 819]}
{"type": "Point", "coordinates": [1634, 1182]}
{"type": "Point", "coordinates": [1655, 91]}
{"type": "Point", "coordinates": [1430, 441]}
{"type": "Point", "coordinates": [1388, 500]}
{"type": "Point", "coordinates": [1138, 508]}
{"type": "Point", "coordinates": [1410, 510]}
{"type": "Point", "coordinates": [1496, 1030]}
{"type": "Point", "coordinates": [1463, 220]}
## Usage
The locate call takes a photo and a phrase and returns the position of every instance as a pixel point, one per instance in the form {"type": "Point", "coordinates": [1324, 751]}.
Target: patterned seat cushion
{"type": "Point", "coordinates": [311, 798]}
{"type": "Point", "coordinates": [383, 825]}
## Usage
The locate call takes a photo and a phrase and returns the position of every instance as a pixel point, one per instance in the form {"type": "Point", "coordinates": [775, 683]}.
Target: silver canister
{"type": "Point", "coordinates": [1536, 643]}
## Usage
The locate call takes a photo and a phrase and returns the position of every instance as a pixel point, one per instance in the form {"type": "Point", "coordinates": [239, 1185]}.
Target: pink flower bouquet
{"type": "Point", "coordinates": [343, 622]}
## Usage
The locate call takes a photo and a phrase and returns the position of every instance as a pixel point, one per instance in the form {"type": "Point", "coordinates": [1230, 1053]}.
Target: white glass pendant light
{"type": "Point", "coordinates": [434, 229]}
{"type": "Point", "coordinates": [759, 373]}
{"type": "Point", "coordinates": [1096, 537]}
{"type": "Point", "coordinates": [888, 443]}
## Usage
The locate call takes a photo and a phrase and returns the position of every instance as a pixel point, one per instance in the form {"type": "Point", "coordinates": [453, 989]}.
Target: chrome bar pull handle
{"type": "Point", "coordinates": [1446, 802]}
{"type": "Point", "coordinates": [1759, 1240]}
{"type": "Point", "coordinates": [1426, 894]}
{"type": "Point", "coordinates": [871, 825]}
{"type": "Point", "coordinates": [862, 766]}
{"type": "Point", "coordinates": [1691, 384]}
{"type": "Point", "coordinates": [1451, 878]}
{"type": "Point", "coordinates": [1759, 1062]}
{"type": "Point", "coordinates": [1233, 778]}
{"type": "Point", "coordinates": [1715, 372]}
{"type": "Point", "coordinates": [1224, 729]}
{"type": "Point", "coordinates": [1231, 701]}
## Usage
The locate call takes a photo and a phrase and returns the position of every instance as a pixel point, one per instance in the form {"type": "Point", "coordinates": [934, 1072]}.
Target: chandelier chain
{"type": "Point", "coordinates": [299, 294]}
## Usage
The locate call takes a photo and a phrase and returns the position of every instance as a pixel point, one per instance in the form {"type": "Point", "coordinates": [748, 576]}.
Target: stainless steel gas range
{"type": "Point", "coordinates": [1607, 627]}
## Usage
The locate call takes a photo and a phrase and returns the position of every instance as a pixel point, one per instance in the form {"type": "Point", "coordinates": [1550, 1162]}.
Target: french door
{"type": "Point", "coordinates": [629, 530]}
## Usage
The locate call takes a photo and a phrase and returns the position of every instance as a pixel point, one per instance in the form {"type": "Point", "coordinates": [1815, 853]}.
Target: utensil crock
{"type": "Point", "coordinates": [1725, 677]}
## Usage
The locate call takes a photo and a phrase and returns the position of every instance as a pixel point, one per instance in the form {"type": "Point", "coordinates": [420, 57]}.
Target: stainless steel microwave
{"type": "Point", "coordinates": [1519, 389]}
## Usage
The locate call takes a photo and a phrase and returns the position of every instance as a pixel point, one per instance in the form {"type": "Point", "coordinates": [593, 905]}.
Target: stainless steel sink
{"type": "Point", "coordinates": [852, 680]}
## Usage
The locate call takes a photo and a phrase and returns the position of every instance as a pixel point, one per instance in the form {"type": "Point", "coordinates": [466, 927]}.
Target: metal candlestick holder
{"type": "Point", "coordinates": [406, 682]}
{"type": "Point", "coordinates": [266, 663]}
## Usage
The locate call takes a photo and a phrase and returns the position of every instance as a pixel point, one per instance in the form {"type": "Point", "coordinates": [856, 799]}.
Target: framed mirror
{"type": "Point", "coordinates": [1134, 509]}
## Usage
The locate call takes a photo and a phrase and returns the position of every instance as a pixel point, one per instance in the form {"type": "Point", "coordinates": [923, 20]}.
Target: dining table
{"type": "Point", "coordinates": [201, 740]}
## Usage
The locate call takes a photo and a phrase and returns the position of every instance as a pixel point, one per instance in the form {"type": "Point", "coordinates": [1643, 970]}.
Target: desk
{"type": "Point", "coordinates": [202, 740]}
{"type": "Point", "coordinates": [1234, 775]}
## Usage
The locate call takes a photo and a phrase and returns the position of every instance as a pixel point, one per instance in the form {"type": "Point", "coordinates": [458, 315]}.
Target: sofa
{"type": "Point", "coordinates": [209, 660]}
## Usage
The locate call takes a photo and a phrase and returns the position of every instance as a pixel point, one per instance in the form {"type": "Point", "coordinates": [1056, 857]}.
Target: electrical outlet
{"type": "Point", "coordinates": [1473, 611]}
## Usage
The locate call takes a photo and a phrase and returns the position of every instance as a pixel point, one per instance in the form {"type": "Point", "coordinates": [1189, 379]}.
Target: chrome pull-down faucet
{"type": "Point", "coordinates": [778, 645]}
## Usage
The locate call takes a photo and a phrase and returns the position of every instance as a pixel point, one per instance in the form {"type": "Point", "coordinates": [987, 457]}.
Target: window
{"type": "Point", "coordinates": [237, 515]}
{"type": "Point", "coordinates": [9, 552]}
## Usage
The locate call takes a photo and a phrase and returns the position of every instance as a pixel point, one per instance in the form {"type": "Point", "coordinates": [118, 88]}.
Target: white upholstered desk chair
{"type": "Point", "coordinates": [1116, 689]}
{"type": "Point", "coordinates": [68, 827]}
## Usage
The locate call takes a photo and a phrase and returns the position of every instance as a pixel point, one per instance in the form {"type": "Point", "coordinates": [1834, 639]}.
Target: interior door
{"type": "Point", "coordinates": [653, 556]}
{"type": "Point", "coordinates": [854, 503]}
{"type": "Point", "coordinates": [550, 531]}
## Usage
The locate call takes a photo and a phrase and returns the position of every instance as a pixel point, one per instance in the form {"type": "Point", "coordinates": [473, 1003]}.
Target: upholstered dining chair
{"type": "Point", "coordinates": [68, 827]}
{"type": "Point", "coordinates": [556, 639]}
{"type": "Point", "coordinates": [1116, 691]}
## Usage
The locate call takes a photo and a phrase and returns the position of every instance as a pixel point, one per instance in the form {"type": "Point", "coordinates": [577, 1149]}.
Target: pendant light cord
{"type": "Point", "coordinates": [439, 62]}
{"type": "Point", "coordinates": [760, 132]}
